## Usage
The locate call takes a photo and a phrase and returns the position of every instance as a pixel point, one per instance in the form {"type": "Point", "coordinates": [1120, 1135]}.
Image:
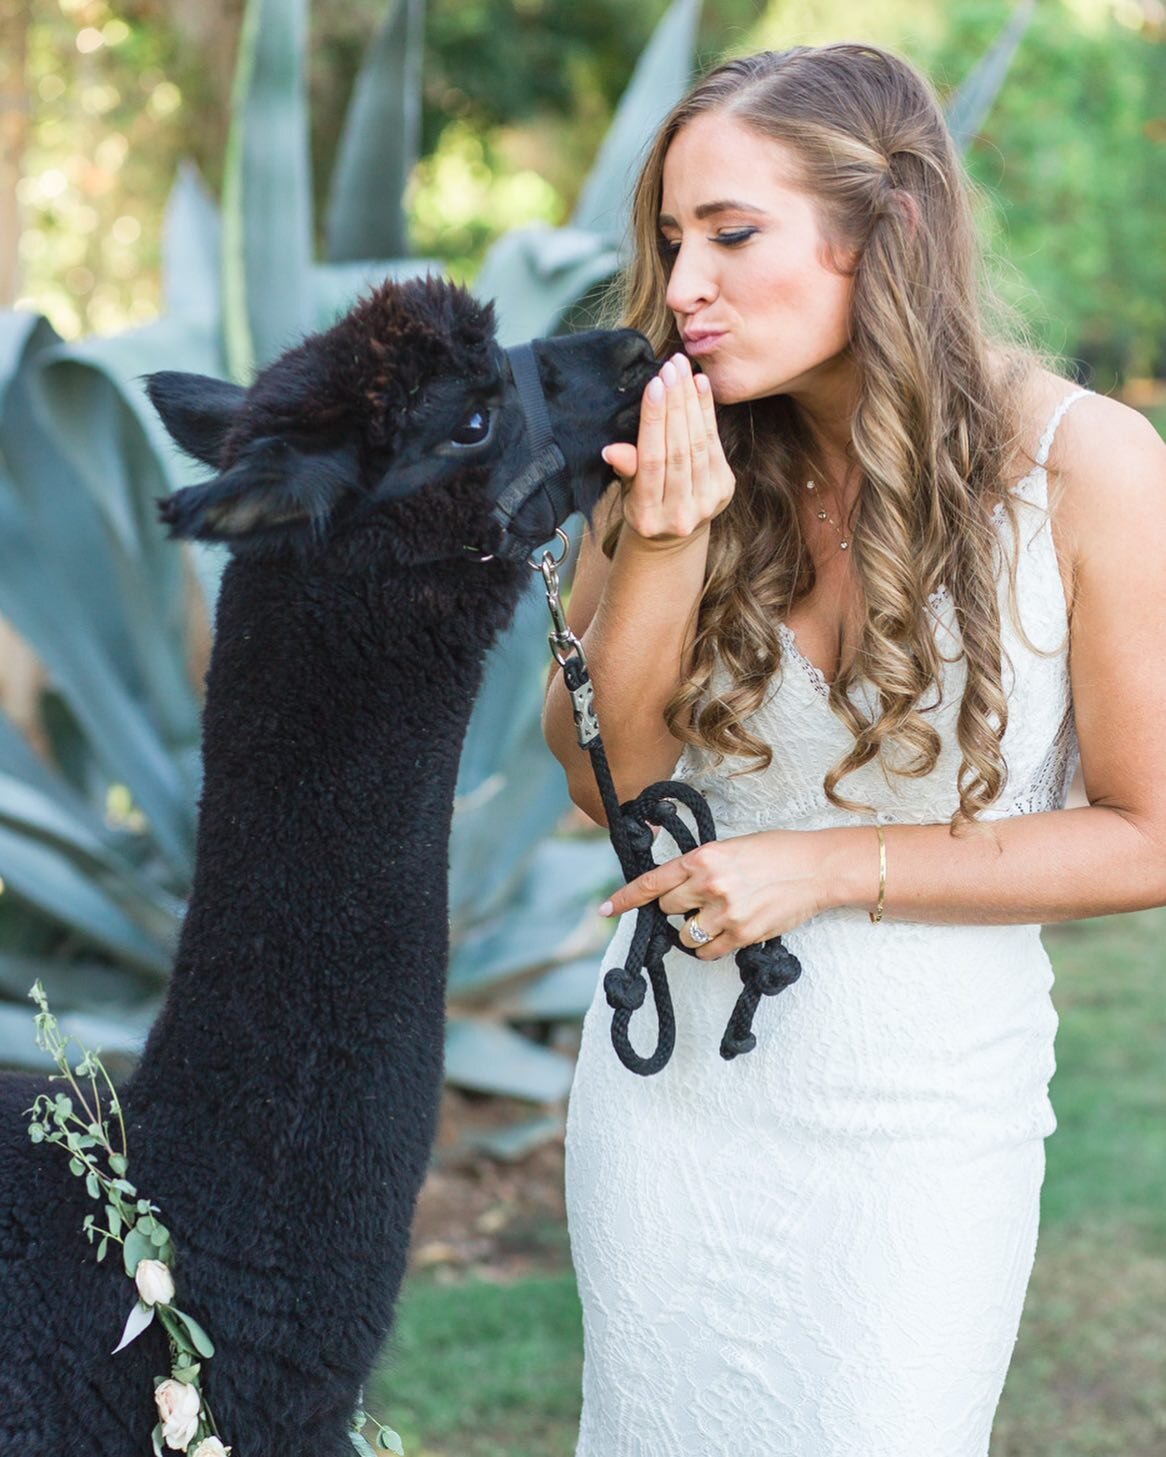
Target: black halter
{"type": "Point", "coordinates": [546, 467]}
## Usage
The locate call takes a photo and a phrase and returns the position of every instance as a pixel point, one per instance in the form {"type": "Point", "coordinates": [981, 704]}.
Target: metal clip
{"type": "Point", "coordinates": [563, 642]}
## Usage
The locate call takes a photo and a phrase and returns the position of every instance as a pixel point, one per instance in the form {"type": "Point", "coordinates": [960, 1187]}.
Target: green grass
{"type": "Point", "coordinates": [485, 1370]}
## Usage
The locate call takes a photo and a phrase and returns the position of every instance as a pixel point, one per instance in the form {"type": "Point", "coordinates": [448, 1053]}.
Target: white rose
{"type": "Point", "coordinates": [178, 1406]}
{"type": "Point", "coordinates": [211, 1447]}
{"type": "Point", "coordinates": [155, 1282]}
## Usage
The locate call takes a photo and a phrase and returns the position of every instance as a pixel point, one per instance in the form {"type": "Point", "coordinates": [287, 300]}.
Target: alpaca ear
{"type": "Point", "coordinates": [198, 410]}
{"type": "Point", "coordinates": [271, 493]}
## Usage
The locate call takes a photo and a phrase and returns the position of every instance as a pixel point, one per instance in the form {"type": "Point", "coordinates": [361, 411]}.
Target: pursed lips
{"type": "Point", "coordinates": [702, 341]}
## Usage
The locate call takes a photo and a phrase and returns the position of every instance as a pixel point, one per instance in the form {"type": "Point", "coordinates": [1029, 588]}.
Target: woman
{"type": "Point", "coordinates": [872, 576]}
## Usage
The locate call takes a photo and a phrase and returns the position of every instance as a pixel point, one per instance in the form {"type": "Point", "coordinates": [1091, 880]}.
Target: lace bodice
{"type": "Point", "coordinates": [808, 738]}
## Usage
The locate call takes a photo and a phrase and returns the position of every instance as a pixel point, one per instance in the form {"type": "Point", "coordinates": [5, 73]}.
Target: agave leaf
{"type": "Point", "coordinates": [64, 520]}
{"type": "Point", "coordinates": [540, 921]}
{"type": "Point", "coordinates": [660, 79]}
{"type": "Point", "coordinates": [119, 731]}
{"type": "Point", "coordinates": [561, 994]}
{"type": "Point", "coordinates": [378, 145]}
{"type": "Point", "coordinates": [971, 103]}
{"type": "Point", "coordinates": [515, 1142]}
{"type": "Point", "coordinates": [18, 1048]}
{"type": "Point", "coordinates": [490, 845]}
{"type": "Point", "coordinates": [115, 447]}
{"type": "Point", "coordinates": [49, 881]}
{"type": "Point", "coordinates": [535, 274]}
{"type": "Point", "coordinates": [17, 759]}
{"type": "Point", "coordinates": [29, 808]}
{"type": "Point", "coordinates": [91, 986]}
{"type": "Point", "coordinates": [267, 190]}
{"type": "Point", "coordinates": [79, 836]}
{"type": "Point", "coordinates": [492, 1059]}
{"type": "Point", "coordinates": [191, 250]}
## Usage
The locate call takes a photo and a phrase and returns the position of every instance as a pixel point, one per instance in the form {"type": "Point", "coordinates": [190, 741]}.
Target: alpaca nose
{"type": "Point", "coordinates": [635, 358]}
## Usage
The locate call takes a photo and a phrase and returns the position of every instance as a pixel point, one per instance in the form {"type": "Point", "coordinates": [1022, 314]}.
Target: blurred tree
{"type": "Point", "coordinates": [14, 20]}
{"type": "Point", "coordinates": [518, 94]}
{"type": "Point", "coordinates": [1072, 156]}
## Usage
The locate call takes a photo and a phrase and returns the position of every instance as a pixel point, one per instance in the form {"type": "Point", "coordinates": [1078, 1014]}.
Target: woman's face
{"type": "Point", "coordinates": [752, 288]}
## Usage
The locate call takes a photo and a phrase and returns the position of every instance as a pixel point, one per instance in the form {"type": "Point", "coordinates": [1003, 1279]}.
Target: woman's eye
{"type": "Point", "coordinates": [473, 429]}
{"type": "Point", "coordinates": [738, 235]}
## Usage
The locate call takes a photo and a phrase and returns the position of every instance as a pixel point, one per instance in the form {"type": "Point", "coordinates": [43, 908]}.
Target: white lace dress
{"type": "Point", "coordinates": [821, 1248]}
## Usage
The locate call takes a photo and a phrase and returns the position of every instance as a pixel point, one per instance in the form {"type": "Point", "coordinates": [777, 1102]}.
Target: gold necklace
{"type": "Point", "coordinates": [843, 544]}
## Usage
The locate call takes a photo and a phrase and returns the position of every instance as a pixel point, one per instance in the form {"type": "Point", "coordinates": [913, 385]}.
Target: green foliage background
{"type": "Point", "coordinates": [518, 94]}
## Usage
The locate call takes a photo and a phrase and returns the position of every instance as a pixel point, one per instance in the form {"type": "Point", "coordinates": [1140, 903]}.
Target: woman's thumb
{"type": "Point", "coordinates": [622, 458]}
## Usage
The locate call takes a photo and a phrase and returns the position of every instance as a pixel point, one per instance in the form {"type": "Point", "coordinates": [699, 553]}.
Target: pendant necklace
{"type": "Point", "coordinates": [843, 544]}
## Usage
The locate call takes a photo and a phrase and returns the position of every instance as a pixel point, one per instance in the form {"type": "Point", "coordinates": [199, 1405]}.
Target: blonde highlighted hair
{"type": "Point", "coordinates": [934, 433]}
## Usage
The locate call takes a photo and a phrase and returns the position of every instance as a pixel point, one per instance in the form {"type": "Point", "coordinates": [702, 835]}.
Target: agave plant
{"type": "Point", "coordinates": [96, 843]}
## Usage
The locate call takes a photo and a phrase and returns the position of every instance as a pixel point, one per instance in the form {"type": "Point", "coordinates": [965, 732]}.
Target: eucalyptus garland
{"type": "Point", "coordinates": [80, 1123]}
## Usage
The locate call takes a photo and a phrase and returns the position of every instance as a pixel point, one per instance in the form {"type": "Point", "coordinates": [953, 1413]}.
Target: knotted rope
{"type": "Point", "coordinates": [765, 968]}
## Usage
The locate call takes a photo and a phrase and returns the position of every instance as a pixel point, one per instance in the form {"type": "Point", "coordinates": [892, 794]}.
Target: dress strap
{"type": "Point", "coordinates": [1046, 440]}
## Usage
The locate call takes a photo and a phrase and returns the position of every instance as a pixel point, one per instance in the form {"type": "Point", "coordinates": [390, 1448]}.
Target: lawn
{"type": "Point", "coordinates": [481, 1369]}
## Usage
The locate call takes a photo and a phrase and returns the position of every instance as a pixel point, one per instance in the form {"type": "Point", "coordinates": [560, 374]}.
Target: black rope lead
{"type": "Point", "coordinates": [765, 968]}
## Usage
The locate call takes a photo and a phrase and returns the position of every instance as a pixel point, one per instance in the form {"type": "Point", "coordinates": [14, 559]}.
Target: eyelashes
{"type": "Point", "coordinates": [668, 247]}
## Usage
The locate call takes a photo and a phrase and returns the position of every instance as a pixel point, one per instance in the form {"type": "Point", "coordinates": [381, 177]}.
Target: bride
{"type": "Point", "coordinates": [871, 579]}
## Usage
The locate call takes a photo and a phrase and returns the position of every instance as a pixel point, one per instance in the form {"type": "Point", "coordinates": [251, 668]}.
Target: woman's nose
{"type": "Point", "coordinates": [691, 283]}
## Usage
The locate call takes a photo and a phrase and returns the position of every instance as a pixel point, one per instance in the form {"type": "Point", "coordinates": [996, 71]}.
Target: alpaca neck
{"type": "Point", "coordinates": [333, 726]}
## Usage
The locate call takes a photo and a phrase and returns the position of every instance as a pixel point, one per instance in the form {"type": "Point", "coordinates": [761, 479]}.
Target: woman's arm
{"type": "Point", "coordinates": [1061, 865]}
{"type": "Point", "coordinates": [636, 615]}
{"type": "Point", "coordinates": [1110, 856]}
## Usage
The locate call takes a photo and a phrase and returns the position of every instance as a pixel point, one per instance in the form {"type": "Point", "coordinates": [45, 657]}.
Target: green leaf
{"type": "Point", "coordinates": [101, 1249]}
{"type": "Point", "coordinates": [360, 1444]}
{"type": "Point", "coordinates": [660, 79]}
{"type": "Point", "coordinates": [378, 145]}
{"type": "Point", "coordinates": [388, 1441]}
{"type": "Point", "coordinates": [493, 1059]}
{"type": "Point", "coordinates": [91, 1184]}
{"type": "Point", "coordinates": [117, 1163]}
{"type": "Point", "coordinates": [267, 203]}
{"type": "Point", "coordinates": [159, 1235]}
{"type": "Point", "coordinates": [36, 1132]}
{"type": "Point", "coordinates": [969, 107]}
{"type": "Point", "coordinates": [113, 1218]}
{"type": "Point", "coordinates": [135, 1249]}
{"type": "Point", "coordinates": [200, 1340]}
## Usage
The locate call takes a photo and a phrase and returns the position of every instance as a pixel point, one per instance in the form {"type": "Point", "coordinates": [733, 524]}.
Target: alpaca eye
{"type": "Point", "coordinates": [473, 429]}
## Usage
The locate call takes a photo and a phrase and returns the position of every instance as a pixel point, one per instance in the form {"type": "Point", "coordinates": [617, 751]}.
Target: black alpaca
{"type": "Point", "coordinates": [283, 1111]}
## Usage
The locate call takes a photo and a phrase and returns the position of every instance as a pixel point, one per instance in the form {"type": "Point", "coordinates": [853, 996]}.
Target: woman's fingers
{"type": "Point", "coordinates": [648, 485]}
{"type": "Point", "coordinates": [677, 477]}
{"type": "Point", "coordinates": [698, 441]}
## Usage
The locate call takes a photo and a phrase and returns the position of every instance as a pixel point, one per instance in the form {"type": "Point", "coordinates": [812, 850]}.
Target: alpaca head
{"type": "Point", "coordinates": [395, 438]}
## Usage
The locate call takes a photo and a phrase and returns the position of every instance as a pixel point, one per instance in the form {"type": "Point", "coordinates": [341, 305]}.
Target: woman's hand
{"type": "Point", "coordinates": [676, 477]}
{"type": "Point", "coordinates": [745, 889]}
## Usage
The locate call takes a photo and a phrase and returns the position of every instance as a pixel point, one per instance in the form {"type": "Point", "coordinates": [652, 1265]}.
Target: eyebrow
{"type": "Point", "coordinates": [710, 209]}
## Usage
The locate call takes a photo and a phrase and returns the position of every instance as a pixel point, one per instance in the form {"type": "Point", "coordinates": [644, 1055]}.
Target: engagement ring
{"type": "Point", "coordinates": [698, 932]}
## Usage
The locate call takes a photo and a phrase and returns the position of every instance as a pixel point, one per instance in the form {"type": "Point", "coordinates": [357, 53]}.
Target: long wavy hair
{"type": "Point", "coordinates": [934, 433]}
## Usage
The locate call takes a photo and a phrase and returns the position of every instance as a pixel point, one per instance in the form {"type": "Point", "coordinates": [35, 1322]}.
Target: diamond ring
{"type": "Point", "coordinates": [697, 931]}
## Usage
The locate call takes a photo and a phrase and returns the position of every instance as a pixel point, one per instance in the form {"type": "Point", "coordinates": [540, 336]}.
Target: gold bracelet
{"type": "Point", "coordinates": [877, 914]}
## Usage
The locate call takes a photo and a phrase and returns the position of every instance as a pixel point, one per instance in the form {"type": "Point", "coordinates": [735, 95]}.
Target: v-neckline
{"type": "Point", "coordinates": [818, 679]}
